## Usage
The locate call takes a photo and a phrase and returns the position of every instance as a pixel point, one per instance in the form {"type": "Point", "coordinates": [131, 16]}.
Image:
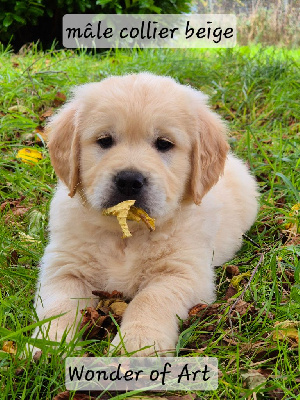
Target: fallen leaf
{"type": "Point", "coordinates": [241, 308]}
{"type": "Point", "coordinates": [118, 307]}
{"type": "Point", "coordinates": [29, 156]}
{"type": "Point", "coordinates": [230, 292]}
{"type": "Point", "coordinates": [19, 108]}
{"type": "Point", "coordinates": [145, 397]}
{"type": "Point", "coordinates": [203, 312]}
{"type": "Point", "coordinates": [11, 203]}
{"type": "Point", "coordinates": [59, 99]}
{"type": "Point", "coordinates": [16, 210]}
{"type": "Point", "coordinates": [265, 372]}
{"type": "Point", "coordinates": [37, 355]}
{"type": "Point", "coordinates": [78, 396]}
{"type": "Point", "coordinates": [293, 241]}
{"type": "Point", "coordinates": [287, 278]}
{"type": "Point", "coordinates": [232, 270]}
{"type": "Point", "coordinates": [286, 330]}
{"type": "Point", "coordinates": [19, 211]}
{"type": "Point", "coordinates": [13, 257]}
{"type": "Point", "coordinates": [98, 321]}
{"type": "Point", "coordinates": [9, 347]}
{"type": "Point", "coordinates": [40, 134]}
{"type": "Point", "coordinates": [20, 371]}
{"type": "Point", "coordinates": [93, 322]}
{"type": "Point", "coordinates": [46, 114]}
{"type": "Point", "coordinates": [107, 295]}
{"type": "Point", "coordinates": [253, 378]}
{"type": "Point", "coordinates": [236, 280]}
{"type": "Point", "coordinates": [28, 238]}
{"type": "Point", "coordinates": [197, 309]}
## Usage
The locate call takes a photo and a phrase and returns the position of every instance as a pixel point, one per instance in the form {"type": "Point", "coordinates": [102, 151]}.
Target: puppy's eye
{"type": "Point", "coordinates": [105, 142]}
{"type": "Point", "coordinates": [163, 144]}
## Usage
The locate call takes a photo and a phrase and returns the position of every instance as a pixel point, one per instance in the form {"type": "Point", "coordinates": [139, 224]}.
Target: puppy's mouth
{"type": "Point", "coordinates": [132, 185]}
{"type": "Point", "coordinates": [128, 185]}
{"type": "Point", "coordinates": [116, 199]}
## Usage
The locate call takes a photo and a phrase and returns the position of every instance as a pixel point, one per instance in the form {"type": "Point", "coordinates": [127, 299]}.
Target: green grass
{"type": "Point", "coordinates": [256, 90]}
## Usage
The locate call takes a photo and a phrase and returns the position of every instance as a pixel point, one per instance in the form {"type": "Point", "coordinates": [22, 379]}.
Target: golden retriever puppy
{"type": "Point", "coordinates": [146, 138]}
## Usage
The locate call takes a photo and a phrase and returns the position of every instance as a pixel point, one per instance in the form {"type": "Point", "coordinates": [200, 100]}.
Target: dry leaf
{"type": "Point", "coordinates": [48, 113]}
{"type": "Point", "coordinates": [232, 270]}
{"type": "Point", "coordinates": [190, 396]}
{"type": "Point", "coordinates": [241, 308]}
{"type": "Point", "coordinates": [145, 397]}
{"type": "Point", "coordinates": [16, 209]}
{"type": "Point", "coordinates": [236, 280]}
{"type": "Point", "coordinates": [93, 322]}
{"type": "Point", "coordinates": [11, 203]}
{"type": "Point", "coordinates": [59, 99]}
{"type": "Point", "coordinates": [98, 321]}
{"type": "Point", "coordinates": [29, 156]}
{"type": "Point", "coordinates": [78, 396]}
{"type": "Point", "coordinates": [13, 257]}
{"type": "Point", "coordinates": [19, 108]}
{"type": "Point", "coordinates": [286, 330]}
{"type": "Point", "coordinates": [106, 295]}
{"type": "Point", "coordinates": [37, 355]}
{"type": "Point", "coordinates": [9, 347]}
{"type": "Point", "coordinates": [118, 307]}
{"type": "Point", "coordinates": [253, 378]}
{"type": "Point", "coordinates": [28, 238]}
{"type": "Point", "coordinates": [40, 134]}
{"type": "Point", "coordinates": [197, 309]}
{"type": "Point", "coordinates": [230, 292]}
{"type": "Point", "coordinates": [17, 212]}
{"type": "Point", "coordinates": [126, 211]}
{"type": "Point", "coordinates": [293, 241]}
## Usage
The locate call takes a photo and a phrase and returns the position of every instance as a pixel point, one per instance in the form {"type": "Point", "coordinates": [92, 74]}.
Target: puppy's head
{"type": "Point", "coordinates": [138, 137]}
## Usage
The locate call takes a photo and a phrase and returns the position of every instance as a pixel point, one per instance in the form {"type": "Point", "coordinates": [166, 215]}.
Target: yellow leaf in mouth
{"type": "Point", "coordinates": [127, 211]}
{"type": "Point", "coordinates": [29, 156]}
{"type": "Point", "coordinates": [137, 214]}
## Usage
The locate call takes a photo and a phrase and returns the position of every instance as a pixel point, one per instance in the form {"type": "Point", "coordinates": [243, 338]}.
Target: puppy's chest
{"type": "Point", "coordinates": [123, 265]}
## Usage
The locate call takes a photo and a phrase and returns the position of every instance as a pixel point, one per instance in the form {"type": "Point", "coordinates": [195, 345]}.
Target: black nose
{"type": "Point", "coordinates": [129, 182]}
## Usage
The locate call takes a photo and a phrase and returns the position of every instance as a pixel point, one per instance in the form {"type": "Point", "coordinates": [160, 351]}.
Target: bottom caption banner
{"type": "Point", "coordinates": [144, 373]}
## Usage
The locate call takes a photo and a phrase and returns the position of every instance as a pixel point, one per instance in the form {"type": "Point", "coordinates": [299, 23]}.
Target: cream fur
{"type": "Point", "coordinates": [164, 272]}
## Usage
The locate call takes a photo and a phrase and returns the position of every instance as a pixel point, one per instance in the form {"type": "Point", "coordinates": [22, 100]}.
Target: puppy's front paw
{"type": "Point", "coordinates": [144, 341]}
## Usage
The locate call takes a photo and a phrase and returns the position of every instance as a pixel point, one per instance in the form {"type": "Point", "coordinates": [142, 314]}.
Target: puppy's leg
{"type": "Point", "coordinates": [151, 317]}
{"type": "Point", "coordinates": [66, 295]}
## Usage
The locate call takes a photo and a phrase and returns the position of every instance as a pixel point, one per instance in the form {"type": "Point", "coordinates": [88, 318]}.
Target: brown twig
{"type": "Point", "coordinates": [27, 70]}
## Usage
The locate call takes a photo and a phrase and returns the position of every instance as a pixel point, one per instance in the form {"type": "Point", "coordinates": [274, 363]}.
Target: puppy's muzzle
{"type": "Point", "coordinates": [129, 183]}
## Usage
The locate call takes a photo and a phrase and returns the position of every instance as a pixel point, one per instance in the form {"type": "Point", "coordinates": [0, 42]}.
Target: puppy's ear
{"type": "Point", "coordinates": [63, 144]}
{"type": "Point", "coordinates": [209, 153]}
